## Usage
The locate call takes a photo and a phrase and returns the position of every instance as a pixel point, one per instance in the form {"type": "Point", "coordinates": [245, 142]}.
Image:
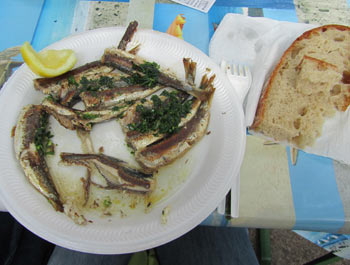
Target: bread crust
{"type": "Point", "coordinates": [260, 112]}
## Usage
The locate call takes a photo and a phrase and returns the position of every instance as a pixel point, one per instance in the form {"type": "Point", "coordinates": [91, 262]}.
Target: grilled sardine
{"type": "Point", "coordinates": [126, 62]}
{"type": "Point", "coordinates": [169, 149]}
{"type": "Point", "coordinates": [115, 97]}
{"type": "Point", "coordinates": [73, 119]}
{"type": "Point", "coordinates": [129, 33]}
{"type": "Point", "coordinates": [166, 150]}
{"type": "Point", "coordinates": [137, 140]}
{"type": "Point", "coordinates": [33, 163]}
{"type": "Point", "coordinates": [117, 173]}
{"type": "Point", "coordinates": [62, 89]}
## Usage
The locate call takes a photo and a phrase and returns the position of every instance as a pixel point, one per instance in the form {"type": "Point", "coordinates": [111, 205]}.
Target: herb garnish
{"type": "Point", "coordinates": [92, 84]}
{"type": "Point", "coordinates": [126, 104]}
{"type": "Point", "coordinates": [131, 149]}
{"type": "Point", "coordinates": [42, 139]}
{"type": "Point", "coordinates": [146, 75]}
{"type": "Point", "coordinates": [117, 108]}
{"type": "Point", "coordinates": [165, 115]}
{"type": "Point", "coordinates": [52, 98]}
{"type": "Point", "coordinates": [72, 81]}
{"type": "Point", "coordinates": [106, 81]}
{"type": "Point", "coordinates": [89, 116]}
{"type": "Point", "coordinates": [121, 115]}
{"type": "Point", "coordinates": [107, 202]}
{"type": "Point", "coordinates": [95, 84]}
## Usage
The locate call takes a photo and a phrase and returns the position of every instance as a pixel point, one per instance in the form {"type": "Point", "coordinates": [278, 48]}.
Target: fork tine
{"type": "Point", "coordinates": [241, 70]}
{"type": "Point", "coordinates": [235, 70]}
{"type": "Point", "coordinates": [247, 71]}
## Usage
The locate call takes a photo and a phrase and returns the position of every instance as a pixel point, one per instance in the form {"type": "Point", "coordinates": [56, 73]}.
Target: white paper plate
{"type": "Point", "coordinates": [218, 156]}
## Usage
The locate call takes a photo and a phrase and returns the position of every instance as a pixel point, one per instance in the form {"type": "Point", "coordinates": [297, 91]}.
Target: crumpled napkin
{"type": "Point", "coordinates": [259, 43]}
{"type": "Point", "coordinates": [256, 42]}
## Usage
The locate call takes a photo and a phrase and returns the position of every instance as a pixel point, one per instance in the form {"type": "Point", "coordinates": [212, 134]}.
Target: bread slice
{"type": "Point", "coordinates": [310, 83]}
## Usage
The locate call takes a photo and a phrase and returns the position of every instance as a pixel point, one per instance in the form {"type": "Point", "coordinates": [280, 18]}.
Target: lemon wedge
{"type": "Point", "coordinates": [48, 63]}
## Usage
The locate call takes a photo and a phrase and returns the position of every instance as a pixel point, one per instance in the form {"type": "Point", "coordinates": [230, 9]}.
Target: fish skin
{"type": "Point", "coordinates": [110, 98]}
{"type": "Point", "coordinates": [190, 70]}
{"type": "Point", "coordinates": [124, 62]}
{"type": "Point", "coordinates": [73, 119]}
{"type": "Point", "coordinates": [164, 152]}
{"type": "Point", "coordinates": [167, 150]}
{"type": "Point", "coordinates": [64, 115]}
{"type": "Point", "coordinates": [129, 33]}
{"type": "Point", "coordinates": [119, 174]}
{"type": "Point", "coordinates": [120, 60]}
{"type": "Point", "coordinates": [58, 86]}
{"type": "Point", "coordinates": [138, 141]}
{"type": "Point", "coordinates": [34, 164]}
{"type": "Point", "coordinates": [100, 115]}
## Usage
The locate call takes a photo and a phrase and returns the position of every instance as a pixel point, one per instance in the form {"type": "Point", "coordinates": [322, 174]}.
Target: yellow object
{"type": "Point", "coordinates": [48, 63]}
{"type": "Point", "coordinates": [176, 26]}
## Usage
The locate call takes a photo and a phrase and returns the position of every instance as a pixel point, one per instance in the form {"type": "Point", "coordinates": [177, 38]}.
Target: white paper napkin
{"type": "Point", "coordinates": [259, 43]}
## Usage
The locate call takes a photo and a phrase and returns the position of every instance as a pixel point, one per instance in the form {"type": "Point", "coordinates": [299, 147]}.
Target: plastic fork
{"type": "Point", "coordinates": [241, 79]}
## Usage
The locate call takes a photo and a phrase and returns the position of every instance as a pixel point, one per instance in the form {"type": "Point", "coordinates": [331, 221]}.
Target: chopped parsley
{"type": "Point", "coordinates": [164, 116]}
{"type": "Point", "coordinates": [117, 108]}
{"type": "Point", "coordinates": [72, 81]}
{"type": "Point", "coordinates": [42, 139]}
{"type": "Point", "coordinates": [131, 149]}
{"type": "Point", "coordinates": [121, 115]}
{"type": "Point", "coordinates": [122, 106]}
{"type": "Point", "coordinates": [107, 202]}
{"type": "Point", "coordinates": [106, 81]}
{"type": "Point", "coordinates": [52, 98]}
{"type": "Point", "coordinates": [89, 116]}
{"type": "Point", "coordinates": [93, 84]}
{"type": "Point", "coordinates": [89, 85]}
{"type": "Point", "coordinates": [146, 75]}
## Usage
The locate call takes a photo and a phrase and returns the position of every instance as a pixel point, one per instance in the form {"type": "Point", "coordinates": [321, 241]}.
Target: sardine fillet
{"type": "Point", "coordinates": [166, 151]}
{"type": "Point", "coordinates": [112, 97]}
{"type": "Point", "coordinates": [138, 140]}
{"type": "Point", "coordinates": [75, 119]}
{"type": "Point", "coordinates": [33, 164]}
{"type": "Point", "coordinates": [124, 62]}
{"type": "Point", "coordinates": [118, 174]}
{"type": "Point", "coordinates": [59, 86]}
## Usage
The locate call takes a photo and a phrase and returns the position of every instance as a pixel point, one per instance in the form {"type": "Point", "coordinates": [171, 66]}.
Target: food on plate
{"type": "Point", "coordinates": [31, 144]}
{"type": "Point", "coordinates": [67, 87]}
{"type": "Point", "coordinates": [309, 84]}
{"type": "Point", "coordinates": [168, 149]}
{"type": "Point", "coordinates": [135, 66]}
{"type": "Point", "coordinates": [129, 33]}
{"type": "Point", "coordinates": [48, 63]}
{"type": "Point", "coordinates": [168, 146]}
{"type": "Point", "coordinates": [161, 116]}
{"type": "Point", "coordinates": [142, 126]}
{"type": "Point", "coordinates": [116, 173]}
{"type": "Point", "coordinates": [73, 119]}
{"type": "Point", "coordinates": [116, 98]}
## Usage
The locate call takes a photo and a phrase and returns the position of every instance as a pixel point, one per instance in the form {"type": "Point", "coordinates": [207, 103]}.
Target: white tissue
{"type": "Point", "coordinates": [256, 42]}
